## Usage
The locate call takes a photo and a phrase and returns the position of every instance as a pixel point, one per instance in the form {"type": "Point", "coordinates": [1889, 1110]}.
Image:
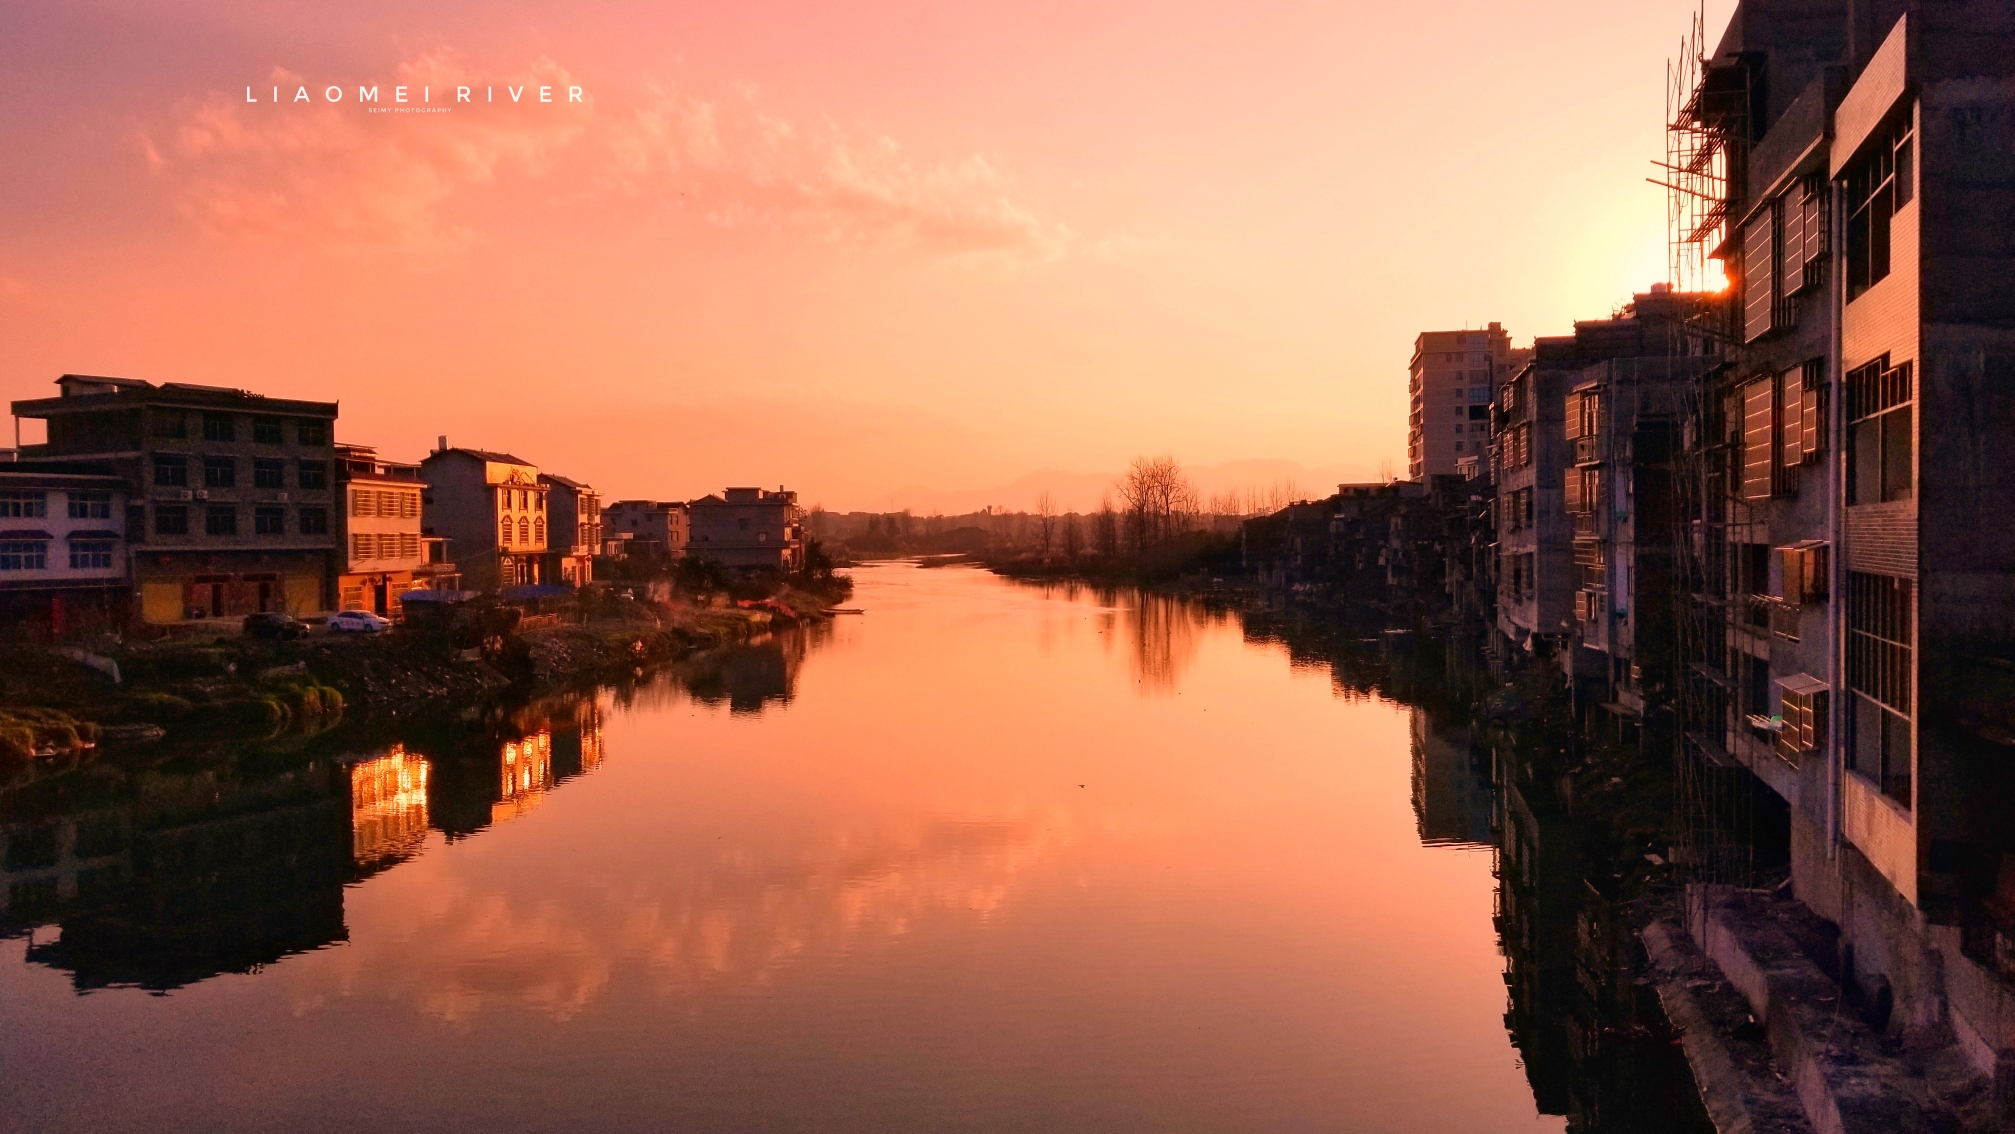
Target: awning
{"type": "Point", "coordinates": [96, 533]}
{"type": "Point", "coordinates": [442, 598]}
{"type": "Point", "coordinates": [534, 591]}
{"type": "Point", "coordinates": [25, 533]}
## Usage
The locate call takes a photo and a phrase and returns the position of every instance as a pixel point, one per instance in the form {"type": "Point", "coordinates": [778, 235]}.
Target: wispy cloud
{"type": "Point", "coordinates": [740, 165]}
{"type": "Point", "coordinates": [366, 184]}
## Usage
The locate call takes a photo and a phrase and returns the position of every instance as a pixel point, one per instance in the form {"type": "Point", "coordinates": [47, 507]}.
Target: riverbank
{"type": "Point", "coordinates": [64, 700]}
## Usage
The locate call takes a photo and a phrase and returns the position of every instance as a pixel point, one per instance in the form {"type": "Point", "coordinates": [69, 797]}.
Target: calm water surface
{"type": "Point", "coordinates": [988, 858]}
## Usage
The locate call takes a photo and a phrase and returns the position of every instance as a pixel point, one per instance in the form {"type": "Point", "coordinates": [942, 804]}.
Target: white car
{"type": "Point", "coordinates": [358, 622]}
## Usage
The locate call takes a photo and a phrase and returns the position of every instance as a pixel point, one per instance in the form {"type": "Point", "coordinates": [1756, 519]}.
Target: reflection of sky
{"type": "Point", "coordinates": [968, 876]}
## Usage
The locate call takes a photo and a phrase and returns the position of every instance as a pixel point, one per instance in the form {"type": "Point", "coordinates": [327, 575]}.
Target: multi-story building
{"type": "Point", "coordinates": [1854, 636]}
{"type": "Point", "coordinates": [646, 529]}
{"type": "Point", "coordinates": [228, 492]}
{"type": "Point", "coordinates": [63, 557]}
{"type": "Point", "coordinates": [378, 530]}
{"type": "Point", "coordinates": [749, 527]}
{"type": "Point", "coordinates": [492, 510]}
{"type": "Point", "coordinates": [575, 512]}
{"type": "Point", "coordinates": [1451, 380]}
{"type": "Point", "coordinates": [1555, 539]}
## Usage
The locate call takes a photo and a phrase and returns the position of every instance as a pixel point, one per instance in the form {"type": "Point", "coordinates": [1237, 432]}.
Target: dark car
{"type": "Point", "coordinates": [275, 625]}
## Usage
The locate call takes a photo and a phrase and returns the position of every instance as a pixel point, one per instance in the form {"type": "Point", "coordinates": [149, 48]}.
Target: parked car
{"type": "Point", "coordinates": [275, 625]}
{"type": "Point", "coordinates": [358, 622]}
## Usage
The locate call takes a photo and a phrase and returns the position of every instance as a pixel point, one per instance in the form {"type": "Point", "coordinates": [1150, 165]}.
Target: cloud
{"type": "Point", "coordinates": [738, 165]}
{"type": "Point", "coordinates": [366, 184]}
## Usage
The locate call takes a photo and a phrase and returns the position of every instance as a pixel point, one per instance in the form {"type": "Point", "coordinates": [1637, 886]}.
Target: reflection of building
{"type": "Point", "coordinates": [378, 526]}
{"type": "Point", "coordinates": [1451, 796]}
{"type": "Point", "coordinates": [388, 806]}
{"type": "Point", "coordinates": [749, 527]}
{"type": "Point", "coordinates": [525, 771]}
{"type": "Point", "coordinates": [749, 675]}
{"type": "Point", "coordinates": [180, 877]}
{"type": "Point", "coordinates": [229, 489]}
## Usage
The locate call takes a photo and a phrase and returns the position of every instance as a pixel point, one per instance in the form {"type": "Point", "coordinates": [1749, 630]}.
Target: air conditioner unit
{"type": "Point", "coordinates": [188, 495]}
{"type": "Point", "coordinates": [202, 494]}
{"type": "Point", "coordinates": [281, 497]}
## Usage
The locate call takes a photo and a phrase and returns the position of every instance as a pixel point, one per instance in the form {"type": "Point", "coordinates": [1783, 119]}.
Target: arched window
{"type": "Point", "coordinates": [504, 531]}
{"type": "Point", "coordinates": [524, 530]}
{"type": "Point", "coordinates": [539, 531]}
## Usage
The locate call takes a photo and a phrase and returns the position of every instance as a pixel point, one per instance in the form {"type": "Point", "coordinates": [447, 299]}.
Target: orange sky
{"type": "Point", "coordinates": [852, 248]}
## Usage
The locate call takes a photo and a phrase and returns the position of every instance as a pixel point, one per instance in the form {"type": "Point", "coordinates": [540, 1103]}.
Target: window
{"type": "Point", "coordinates": [314, 521]}
{"type": "Point", "coordinates": [504, 530]}
{"type": "Point", "coordinates": [1879, 182]}
{"type": "Point", "coordinates": [1802, 702]}
{"type": "Point", "coordinates": [269, 521]}
{"type": "Point", "coordinates": [90, 505]}
{"type": "Point", "coordinates": [171, 519]}
{"type": "Point", "coordinates": [1801, 433]}
{"type": "Point", "coordinates": [15, 502]}
{"type": "Point", "coordinates": [220, 472]}
{"type": "Point", "coordinates": [1881, 455]}
{"type": "Point", "coordinates": [90, 554]}
{"type": "Point", "coordinates": [171, 472]}
{"type": "Point", "coordinates": [1760, 246]}
{"type": "Point", "coordinates": [220, 521]}
{"type": "Point", "coordinates": [363, 546]}
{"type": "Point", "coordinates": [1881, 749]}
{"type": "Point", "coordinates": [409, 545]}
{"type": "Point", "coordinates": [361, 503]}
{"type": "Point", "coordinates": [1759, 436]}
{"type": "Point", "coordinates": [1806, 235]}
{"type": "Point", "coordinates": [267, 431]}
{"type": "Point", "coordinates": [1804, 569]}
{"type": "Point", "coordinates": [524, 530]}
{"type": "Point", "coordinates": [539, 531]}
{"type": "Point", "coordinates": [312, 474]}
{"type": "Point", "coordinates": [24, 555]}
{"type": "Point", "coordinates": [170, 425]}
{"type": "Point", "coordinates": [269, 474]}
{"type": "Point", "coordinates": [217, 427]}
{"type": "Point", "coordinates": [312, 432]}
{"type": "Point", "coordinates": [540, 500]}
{"type": "Point", "coordinates": [1879, 615]}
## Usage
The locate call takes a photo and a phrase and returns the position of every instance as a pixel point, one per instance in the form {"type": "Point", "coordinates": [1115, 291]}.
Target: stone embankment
{"type": "Point", "coordinates": [1776, 1043]}
{"type": "Point", "coordinates": [51, 703]}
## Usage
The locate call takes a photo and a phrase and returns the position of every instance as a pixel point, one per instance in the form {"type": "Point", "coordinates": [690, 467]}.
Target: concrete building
{"type": "Point", "coordinates": [575, 512]}
{"type": "Point", "coordinates": [646, 529]}
{"type": "Point", "coordinates": [749, 527]}
{"type": "Point", "coordinates": [1451, 379]}
{"type": "Point", "coordinates": [228, 492]}
{"type": "Point", "coordinates": [1852, 641]}
{"type": "Point", "coordinates": [63, 556]}
{"type": "Point", "coordinates": [492, 510]}
{"type": "Point", "coordinates": [379, 524]}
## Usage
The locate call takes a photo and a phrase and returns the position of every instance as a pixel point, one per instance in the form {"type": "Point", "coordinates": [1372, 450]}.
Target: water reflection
{"type": "Point", "coordinates": [992, 872]}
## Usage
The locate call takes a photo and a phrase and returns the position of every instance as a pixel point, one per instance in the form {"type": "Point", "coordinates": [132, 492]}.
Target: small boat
{"type": "Point", "coordinates": [846, 610]}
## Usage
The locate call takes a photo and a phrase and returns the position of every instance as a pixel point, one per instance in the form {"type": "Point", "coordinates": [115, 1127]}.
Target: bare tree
{"type": "Point", "coordinates": [1106, 527]}
{"type": "Point", "coordinates": [1069, 533]}
{"type": "Point", "coordinates": [1045, 521]}
{"type": "Point", "coordinates": [1387, 471]}
{"type": "Point", "coordinates": [1159, 502]}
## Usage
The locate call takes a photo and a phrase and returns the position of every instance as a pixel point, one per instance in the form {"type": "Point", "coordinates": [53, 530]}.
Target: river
{"type": "Point", "coordinates": [989, 857]}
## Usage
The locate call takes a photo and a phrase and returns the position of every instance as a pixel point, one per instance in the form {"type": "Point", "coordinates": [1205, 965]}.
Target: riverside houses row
{"type": "Point", "coordinates": [1768, 530]}
{"type": "Point", "coordinates": [157, 505]}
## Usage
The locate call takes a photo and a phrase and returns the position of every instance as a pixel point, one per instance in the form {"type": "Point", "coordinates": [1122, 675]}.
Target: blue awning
{"type": "Point", "coordinates": [534, 591]}
{"type": "Point", "coordinates": [444, 598]}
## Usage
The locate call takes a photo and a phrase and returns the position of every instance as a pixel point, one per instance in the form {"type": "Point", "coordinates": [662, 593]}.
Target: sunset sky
{"type": "Point", "coordinates": [887, 254]}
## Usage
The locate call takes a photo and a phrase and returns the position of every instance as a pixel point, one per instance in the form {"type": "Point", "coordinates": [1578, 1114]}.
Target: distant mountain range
{"type": "Point", "coordinates": [1079, 492]}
